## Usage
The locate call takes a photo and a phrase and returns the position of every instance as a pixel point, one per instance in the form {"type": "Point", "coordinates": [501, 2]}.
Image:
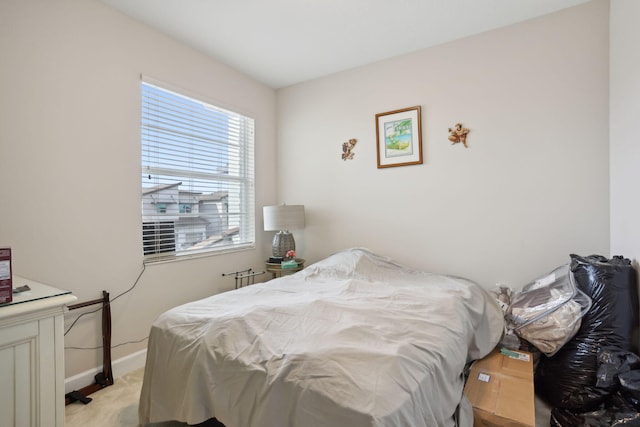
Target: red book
{"type": "Point", "coordinates": [6, 288]}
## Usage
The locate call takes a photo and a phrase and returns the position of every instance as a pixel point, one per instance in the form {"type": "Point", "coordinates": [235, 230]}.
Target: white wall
{"type": "Point", "coordinates": [624, 146]}
{"type": "Point", "coordinates": [531, 188]}
{"type": "Point", "coordinates": [69, 162]}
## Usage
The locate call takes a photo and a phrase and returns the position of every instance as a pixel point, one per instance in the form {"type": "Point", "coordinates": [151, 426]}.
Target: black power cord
{"type": "Point", "coordinates": [95, 311]}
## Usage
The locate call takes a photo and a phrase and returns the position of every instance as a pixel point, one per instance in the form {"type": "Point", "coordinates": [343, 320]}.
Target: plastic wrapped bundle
{"type": "Point", "coordinates": [547, 312]}
{"type": "Point", "coordinates": [568, 379]}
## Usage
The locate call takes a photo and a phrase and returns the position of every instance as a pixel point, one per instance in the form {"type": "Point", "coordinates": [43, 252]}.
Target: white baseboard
{"type": "Point", "coordinates": [120, 367]}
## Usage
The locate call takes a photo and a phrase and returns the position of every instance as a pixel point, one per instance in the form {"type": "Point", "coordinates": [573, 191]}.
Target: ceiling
{"type": "Point", "coordinates": [283, 42]}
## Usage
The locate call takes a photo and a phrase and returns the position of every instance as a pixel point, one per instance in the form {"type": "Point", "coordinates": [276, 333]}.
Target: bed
{"type": "Point", "coordinates": [353, 340]}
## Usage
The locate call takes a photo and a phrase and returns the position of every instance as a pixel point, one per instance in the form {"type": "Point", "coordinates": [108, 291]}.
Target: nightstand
{"type": "Point", "coordinates": [276, 269]}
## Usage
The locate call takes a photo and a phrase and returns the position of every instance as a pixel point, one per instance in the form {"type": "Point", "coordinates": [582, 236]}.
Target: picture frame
{"type": "Point", "coordinates": [399, 137]}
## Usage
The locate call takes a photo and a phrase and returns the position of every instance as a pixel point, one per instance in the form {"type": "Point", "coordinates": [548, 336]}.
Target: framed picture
{"type": "Point", "coordinates": [399, 137]}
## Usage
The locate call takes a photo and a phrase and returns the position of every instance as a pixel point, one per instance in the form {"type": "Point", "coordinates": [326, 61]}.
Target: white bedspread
{"type": "Point", "coordinates": [354, 340]}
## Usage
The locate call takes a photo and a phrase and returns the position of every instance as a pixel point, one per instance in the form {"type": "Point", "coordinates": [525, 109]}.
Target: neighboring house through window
{"type": "Point", "coordinates": [197, 176]}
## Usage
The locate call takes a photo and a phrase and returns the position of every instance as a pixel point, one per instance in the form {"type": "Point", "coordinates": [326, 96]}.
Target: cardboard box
{"type": "Point", "coordinates": [6, 287]}
{"type": "Point", "coordinates": [500, 388]}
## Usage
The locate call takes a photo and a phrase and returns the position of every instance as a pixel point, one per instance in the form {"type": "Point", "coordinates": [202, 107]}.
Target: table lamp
{"type": "Point", "coordinates": [283, 218]}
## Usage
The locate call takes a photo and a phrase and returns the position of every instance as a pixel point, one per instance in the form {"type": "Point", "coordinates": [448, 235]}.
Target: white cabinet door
{"type": "Point", "coordinates": [18, 362]}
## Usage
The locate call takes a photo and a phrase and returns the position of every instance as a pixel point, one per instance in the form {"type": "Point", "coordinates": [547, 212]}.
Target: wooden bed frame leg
{"type": "Point", "coordinates": [104, 378]}
{"type": "Point", "coordinates": [106, 339]}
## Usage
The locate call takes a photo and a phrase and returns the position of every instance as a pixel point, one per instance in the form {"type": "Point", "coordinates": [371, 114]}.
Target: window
{"type": "Point", "coordinates": [197, 176]}
{"type": "Point", "coordinates": [158, 237]}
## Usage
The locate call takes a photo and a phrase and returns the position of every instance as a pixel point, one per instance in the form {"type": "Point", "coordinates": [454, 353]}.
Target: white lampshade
{"type": "Point", "coordinates": [283, 217]}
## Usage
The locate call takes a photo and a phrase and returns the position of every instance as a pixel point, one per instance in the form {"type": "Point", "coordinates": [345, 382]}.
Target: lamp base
{"type": "Point", "coordinates": [283, 242]}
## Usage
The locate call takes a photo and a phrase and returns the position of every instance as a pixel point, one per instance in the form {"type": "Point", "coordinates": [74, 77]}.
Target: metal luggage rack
{"type": "Point", "coordinates": [244, 277]}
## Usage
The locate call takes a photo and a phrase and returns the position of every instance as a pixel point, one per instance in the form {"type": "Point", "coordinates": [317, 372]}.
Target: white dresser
{"type": "Point", "coordinates": [32, 356]}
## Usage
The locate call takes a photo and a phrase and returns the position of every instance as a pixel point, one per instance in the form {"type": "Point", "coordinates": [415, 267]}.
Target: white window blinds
{"type": "Point", "coordinates": [197, 176]}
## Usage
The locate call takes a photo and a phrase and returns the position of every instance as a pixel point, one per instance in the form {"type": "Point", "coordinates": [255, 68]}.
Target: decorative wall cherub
{"type": "Point", "coordinates": [346, 149]}
{"type": "Point", "coordinates": [458, 134]}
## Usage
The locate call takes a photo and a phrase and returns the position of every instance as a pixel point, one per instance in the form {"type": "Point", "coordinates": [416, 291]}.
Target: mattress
{"type": "Point", "coordinates": [353, 340]}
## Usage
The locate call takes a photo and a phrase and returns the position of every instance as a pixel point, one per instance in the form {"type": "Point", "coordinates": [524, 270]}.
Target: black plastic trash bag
{"type": "Point", "coordinates": [616, 412]}
{"type": "Point", "coordinates": [568, 379]}
{"type": "Point", "coordinates": [618, 371]}
{"type": "Point", "coordinates": [613, 365]}
{"type": "Point", "coordinates": [630, 387]}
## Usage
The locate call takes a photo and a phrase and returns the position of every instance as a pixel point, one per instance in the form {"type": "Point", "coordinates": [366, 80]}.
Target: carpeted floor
{"type": "Point", "coordinates": [117, 406]}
